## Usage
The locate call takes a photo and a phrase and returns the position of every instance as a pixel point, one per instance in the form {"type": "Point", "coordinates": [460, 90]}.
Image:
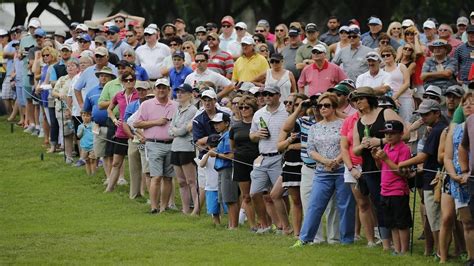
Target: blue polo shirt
{"type": "Point", "coordinates": [91, 104]}
{"type": "Point", "coordinates": [202, 128]}
{"type": "Point", "coordinates": [177, 78]}
{"type": "Point", "coordinates": [87, 80]}
{"type": "Point", "coordinates": [52, 75]}
{"type": "Point", "coordinates": [131, 109]}
{"type": "Point", "coordinates": [141, 73]}
{"type": "Point", "coordinates": [223, 147]}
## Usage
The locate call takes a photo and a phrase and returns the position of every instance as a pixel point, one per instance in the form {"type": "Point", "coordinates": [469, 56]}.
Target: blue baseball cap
{"type": "Point", "coordinates": [179, 54]}
{"type": "Point", "coordinates": [40, 32]}
{"type": "Point", "coordinates": [86, 37]}
{"type": "Point", "coordinates": [185, 87]}
{"type": "Point", "coordinates": [114, 29]}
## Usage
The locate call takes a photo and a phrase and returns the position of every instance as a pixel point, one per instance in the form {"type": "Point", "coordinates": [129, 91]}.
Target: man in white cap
{"type": "Point", "coordinates": [265, 128]}
{"type": "Point", "coordinates": [429, 32]}
{"type": "Point", "coordinates": [241, 30]}
{"type": "Point", "coordinates": [304, 53]}
{"type": "Point", "coordinates": [376, 77]}
{"type": "Point", "coordinates": [251, 64]}
{"type": "Point", "coordinates": [228, 37]}
{"type": "Point", "coordinates": [372, 37]}
{"type": "Point", "coordinates": [59, 69]}
{"type": "Point", "coordinates": [201, 35]}
{"type": "Point", "coordinates": [320, 75]}
{"type": "Point", "coordinates": [461, 25]}
{"type": "Point", "coordinates": [154, 118]}
{"type": "Point", "coordinates": [151, 55]}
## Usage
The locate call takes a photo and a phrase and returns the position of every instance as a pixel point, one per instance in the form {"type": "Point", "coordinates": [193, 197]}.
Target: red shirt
{"type": "Point", "coordinates": [122, 100]}
{"type": "Point", "coordinates": [321, 79]}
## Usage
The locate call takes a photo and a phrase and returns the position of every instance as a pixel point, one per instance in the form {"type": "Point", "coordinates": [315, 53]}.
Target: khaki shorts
{"type": "Point", "coordinates": [88, 155]}
{"type": "Point", "coordinates": [433, 210]}
{"type": "Point", "coordinates": [100, 141]}
{"type": "Point", "coordinates": [144, 160]}
{"type": "Point", "coordinates": [464, 214]}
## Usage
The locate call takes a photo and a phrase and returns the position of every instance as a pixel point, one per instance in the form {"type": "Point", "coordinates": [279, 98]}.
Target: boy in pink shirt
{"type": "Point", "coordinates": [394, 187]}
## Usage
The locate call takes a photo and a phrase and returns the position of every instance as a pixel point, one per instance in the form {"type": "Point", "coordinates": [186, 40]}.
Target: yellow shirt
{"type": "Point", "coordinates": [248, 68]}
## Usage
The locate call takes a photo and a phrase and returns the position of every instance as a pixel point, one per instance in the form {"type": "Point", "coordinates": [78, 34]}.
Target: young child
{"type": "Point", "coordinates": [228, 189]}
{"type": "Point", "coordinates": [212, 183]}
{"type": "Point", "coordinates": [84, 132]}
{"type": "Point", "coordinates": [394, 187]}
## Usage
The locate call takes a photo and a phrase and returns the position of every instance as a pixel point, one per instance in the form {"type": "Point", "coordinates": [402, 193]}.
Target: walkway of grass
{"type": "Point", "coordinates": [51, 213]}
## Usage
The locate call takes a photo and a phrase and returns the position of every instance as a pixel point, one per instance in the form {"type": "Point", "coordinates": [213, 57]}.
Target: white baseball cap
{"type": "Point", "coordinates": [149, 30]}
{"type": "Point", "coordinates": [429, 24]}
{"type": "Point", "coordinates": [209, 93]}
{"type": "Point", "coordinates": [162, 81]}
{"type": "Point", "coordinates": [247, 40]}
{"type": "Point", "coordinates": [241, 25]}
{"type": "Point", "coordinates": [82, 27]}
{"type": "Point", "coordinates": [34, 23]}
{"type": "Point", "coordinates": [319, 47]}
{"type": "Point", "coordinates": [408, 23]}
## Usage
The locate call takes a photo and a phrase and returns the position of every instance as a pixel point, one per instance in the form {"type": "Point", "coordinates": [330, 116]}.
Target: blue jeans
{"type": "Point", "coordinates": [324, 185]}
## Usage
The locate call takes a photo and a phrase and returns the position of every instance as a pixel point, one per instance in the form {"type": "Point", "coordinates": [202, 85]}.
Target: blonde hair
{"type": "Point", "coordinates": [193, 47]}
{"type": "Point", "coordinates": [392, 25]}
{"type": "Point", "coordinates": [332, 97]}
{"type": "Point", "coordinates": [53, 53]}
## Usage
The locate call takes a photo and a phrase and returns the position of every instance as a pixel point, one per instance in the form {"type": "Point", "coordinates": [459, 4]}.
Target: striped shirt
{"type": "Point", "coordinates": [274, 121]}
{"type": "Point", "coordinates": [464, 55]}
{"type": "Point", "coordinates": [305, 123]}
{"type": "Point", "coordinates": [222, 63]}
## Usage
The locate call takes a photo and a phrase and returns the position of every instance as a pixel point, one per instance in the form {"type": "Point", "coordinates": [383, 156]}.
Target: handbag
{"type": "Point", "coordinates": [438, 183]}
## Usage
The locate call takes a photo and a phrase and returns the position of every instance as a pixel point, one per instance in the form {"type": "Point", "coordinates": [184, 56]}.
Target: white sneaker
{"type": "Point", "coordinates": [122, 182]}
{"type": "Point", "coordinates": [265, 230]}
{"type": "Point", "coordinates": [242, 216]}
{"type": "Point", "coordinates": [41, 134]}
{"type": "Point", "coordinates": [106, 182]}
{"type": "Point", "coordinates": [29, 129]}
{"type": "Point", "coordinates": [69, 160]}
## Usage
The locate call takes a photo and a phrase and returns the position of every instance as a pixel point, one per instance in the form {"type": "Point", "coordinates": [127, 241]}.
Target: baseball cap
{"type": "Point", "coordinates": [386, 102]}
{"type": "Point", "coordinates": [348, 82]}
{"type": "Point", "coordinates": [67, 47]}
{"type": "Point", "coordinates": [73, 25]}
{"type": "Point", "coordinates": [142, 84]}
{"type": "Point", "coordinates": [429, 24]}
{"type": "Point", "coordinates": [311, 27]}
{"type": "Point", "coordinates": [428, 105]}
{"type": "Point", "coordinates": [364, 92]}
{"type": "Point", "coordinates": [354, 30]}
{"type": "Point", "coordinates": [162, 81]}
{"type": "Point", "coordinates": [293, 32]}
{"type": "Point", "coordinates": [149, 30]}
{"type": "Point", "coordinates": [185, 87]}
{"type": "Point", "coordinates": [60, 33]}
{"type": "Point", "coordinates": [220, 117]}
{"type": "Point", "coordinates": [213, 35]}
{"type": "Point", "coordinates": [82, 27]}
{"type": "Point", "coordinates": [373, 56]}
{"type": "Point", "coordinates": [456, 90]}
{"type": "Point", "coordinates": [211, 25]}
{"type": "Point", "coordinates": [86, 37]}
{"type": "Point", "coordinates": [34, 23]}
{"type": "Point", "coordinates": [374, 21]}
{"type": "Point", "coordinates": [462, 21]}
{"type": "Point", "coordinates": [433, 90]}
{"type": "Point", "coordinates": [344, 28]}
{"type": "Point", "coordinates": [200, 29]}
{"type": "Point", "coordinates": [101, 51]}
{"type": "Point", "coordinates": [227, 19]}
{"type": "Point", "coordinates": [179, 54]}
{"type": "Point", "coordinates": [247, 40]}
{"type": "Point", "coordinates": [263, 22]}
{"type": "Point", "coordinates": [180, 20]}
{"type": "Point", "coordinates": [153, 26]}
{"type": "Point", "coordinates": [407, 23]}
{"type": "Point", "coordinates": [125, 63]}
{"type": "Point", "coordinates": [3, 32]}
{"type": "Point", "coordinates": [210, 93]}
{"type": "Point", "coordinates": [470, 29]}
{"type": "Point", "coordinates": [340, 88]}
{"type": "Point", "coordinates": [276, 56]}
{"type": "Point", "coordinates": [91, 25]}
{"type": "Point", "coordinates": [114, 29]}
{"type": "Point", "coordinates": [246, 86]}
{"type": "Point", "coordinates": [272, 89]}
{"type": "Point", "coordinates": [87, 53]}
{"type": "Point", "coordinates": [241, 25]}
{"type": "Point", "coordinates": [472, 14]}
{"type": "Point", "coordinates": [392, 126]}
{"type": "Point", "coordinates": [319, 47]}
{"type": "Point", "coordinates": [100, 39]}
{"type": "Point", "coordinates": [40, 32]}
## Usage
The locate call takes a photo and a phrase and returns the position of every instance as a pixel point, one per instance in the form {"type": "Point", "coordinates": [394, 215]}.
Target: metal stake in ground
{"type": "Point", "coordinates": [62, 118]}
{"type": "Point", "coordinates": [413, 216]}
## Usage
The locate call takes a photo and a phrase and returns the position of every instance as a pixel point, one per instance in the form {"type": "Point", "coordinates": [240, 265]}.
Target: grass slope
{"type": "Point", "coordinates": [55, 214]}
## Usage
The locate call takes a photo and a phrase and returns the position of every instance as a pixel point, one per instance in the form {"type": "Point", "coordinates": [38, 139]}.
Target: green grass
{"type": "Point", "coordinates": [51, 213]}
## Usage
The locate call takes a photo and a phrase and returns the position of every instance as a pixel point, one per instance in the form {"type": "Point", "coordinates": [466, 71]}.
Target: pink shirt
{"type": "Point", "coordinates": [392, 184]}
{"type": "Point", "coordinates": [347, 131]}
{"type": "Point", "coordinates": [122, 100]}
{"type": "Point", "coordinates": [319, 80]}
{"type": "Point", "coordinates": [153, 110]}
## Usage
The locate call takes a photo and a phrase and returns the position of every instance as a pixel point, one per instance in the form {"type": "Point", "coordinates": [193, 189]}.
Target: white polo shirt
{"type": "Point", "coordinates": [367, 80]}
{"type": "Point", "coordinates": [195, 79]}
{"type": "Point", "coordinates": [151, 58]}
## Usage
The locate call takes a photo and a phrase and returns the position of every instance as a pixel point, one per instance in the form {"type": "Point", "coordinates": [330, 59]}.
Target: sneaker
{"type": "Point", "coordinates": [122, 182]}
{"type": "Point", "coordinates": [254, 229]}
{"type": "Point", "coordinates": [299, 244]}
{"type": "Point", "coordinates": [371, 245]}
{"type": "Point", "coordinates": [100, 163]}
{"type": "Point", "coordinates": [80, 163]}
{"type": "Point", "coordinates": [394, 253]}
{"type": "Point", "coordinates": [154, 211]}
{"type": "Point", "coordinates": [172, 207]}
{"type": "Point", "coordinates": [264, 230]}
{"type": "Point", "coordinates": [41, 134]}
{"type": "Point", "coordinates": [106, 181]}
{"type": "Point", "coordinates": [69, 160]}
{"type": "Point", "coordinates": [357, 238]}
{"type": "Point", "coordinates": [29, 129]}
{"type": "Point", "coordinates": [35, 132]}
{"type": "Point", "coordinates": [242, 216]}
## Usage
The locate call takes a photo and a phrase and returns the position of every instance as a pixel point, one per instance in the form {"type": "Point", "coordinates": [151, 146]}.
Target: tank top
{"type": "Point", "coordinates": [338, 48]}
{"type": "Point", "coordinates": [396, 81]}
{"type": "Point", "coordinates": [368, 163]}
{"type": "Point", "coordinates": [283, 83]}
{"type": "Point", "coordinates": [293, 156]}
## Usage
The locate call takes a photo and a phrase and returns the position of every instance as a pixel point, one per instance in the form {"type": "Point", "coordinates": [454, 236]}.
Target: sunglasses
{"type": "Point", "coordinates": [275, 61]}
{"type": "Point", "coordinates": [356, 99]}
{"type": "Point", "coordinates": [82, 41]}
{"type": "Point", "coordinates": [287, 102]}
{"type": "Point", "coordinates": [147, 34]}
{"type": "Point", "coordinates": [325, 105]}
{"type": "Point", "coordinates": [432, 97]}
{"type": "Point", "coordinates": [130, 80]}
{"type": "Point", "coordinates": [266, 93]}
{"type": "Point", "coordinates": [129, 36]}
{"type": "Point", "coordinates": [343, 32]}
{"type": "Point", "coordinates": [409, 34]}
{"type": "Point", "coordinates": [46, 55]}
{"type": "Point", "coordinates": [99, 56]}
{"type": "Point", "coordinates": [200, 61]}
{"type": "Point", "coordinates": [187, 47]}
{"type": "Point", "coordinates": [257, 40]}
{"type": "Point", "coordinates": [110, 33]}
{"type": "Point", "coordinates": [244, 107]}
{"type": "Point", "coordinates": [259, 31]}
{"type": "Point", "coordinates": [385, 55]}
{"type": "Point", "coordinates": [353, 36]}
{"type": "Point", "coordinates": [408, 49]}
{"type": "Point", "coordinates": [317, 52]}
{"type": "Point", "coordinates": [173, 44]}
{"type": "Point", "coordinates": [238, 29]}
{"type": "Point", "coordinates": [226, 26]}
{"type": "Point", "coordinates": [209, 29]}
{"type": "Point", "coordinates": [127, 55]}
{"type": "Point", "coordinates": [384, 42]}
{"type": "Point", "coordinates": [119, 21]}
{"type": "Point", "coordinates": [263, 50]}
{"type": "Point", "coordinates": [279, 30]}
{"type": "Point", "coordinates": [211, 39]}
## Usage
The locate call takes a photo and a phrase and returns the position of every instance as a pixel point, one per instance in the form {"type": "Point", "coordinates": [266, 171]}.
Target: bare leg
{"type": "Point", "coordinates": [358, 224]}
{"type": "Point", "coordinates": [171, 201]}
{"type": "Point", "coordinates": [183, 189]}
{"type": "Point", "coordinates": [155, 186]}
{"type": "Point", "coordinates": [68, 146]}
{"type": "Point", "coordinates": [296, 210]}
{"type": "Point", "coordinates": [166, 186]}
{"type": "Point", "coordinates": [447, 222]}
{"type": "Point", "coordinates": [404, 240]}
{"type": "Point", "coordinates": [189, 171]}
{"type": "Point", "coordinates": [396, 240]}
{"type": "Point", "coordinates": [233, 211]}
{"type": "Point", "coordinates": [459, 241]}
{"type": "Point", "coordinates": [469, 236]}
{"type": "Point", "coordinates": [93, 166]}
{"type": "Point", "coordinates": [270, 207]}
{"type": "Point", "coordinates": [114, 173]}
{"type": "Point", "coordinates": [280, 207]}
{"type": "Point", "coordinates": [365, 213]}
{"type": "Point", "coordinates": [258, 203]}
{"type": "Point", "coordinates": [247, 203]}
{"type": "Point", "coordinates": [88, 166]}
{"type": "Point", "coordinates": [107, 166]}
{"type": "Point", "coordinates": [14, 112]}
